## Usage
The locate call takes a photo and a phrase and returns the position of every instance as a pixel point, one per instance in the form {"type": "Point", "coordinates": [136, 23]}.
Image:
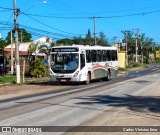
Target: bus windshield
{"type": "Point", "coordinates": [64, 63]}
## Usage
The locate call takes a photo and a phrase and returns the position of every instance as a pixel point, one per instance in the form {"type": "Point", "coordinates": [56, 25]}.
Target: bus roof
{"type": "Point", "coordinates": [85, 47]}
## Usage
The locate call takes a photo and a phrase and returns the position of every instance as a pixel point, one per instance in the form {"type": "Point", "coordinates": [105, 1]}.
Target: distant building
{"type": "Point", "coordinates": [24, 51]}
{"type": "Point", "coordinates": [42, 41]}
{"type": "Point", "coordinates": [24, 47]}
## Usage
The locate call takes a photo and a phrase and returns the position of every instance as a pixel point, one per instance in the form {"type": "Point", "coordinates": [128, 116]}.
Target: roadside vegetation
{"type": "Point", "coordinates": [7, 79]}
{"type": "Point", "coordinates": [134, 65]}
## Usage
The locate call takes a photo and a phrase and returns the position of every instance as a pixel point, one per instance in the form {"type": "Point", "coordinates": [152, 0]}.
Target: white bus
{"type": "Point", "coordinates": [79, 63]}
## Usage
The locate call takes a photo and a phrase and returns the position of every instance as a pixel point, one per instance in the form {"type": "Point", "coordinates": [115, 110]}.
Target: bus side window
{"type": "Point", "coordinates": [104, 56]}
{"type": "Point", "coordinates": [113, 55]}
{"type": "Point", "coordinates": [109, 55]}
{"type": "Point", "coordinates": [99, 56]}
{"type": "Point", "coordinates": [88, 56]}
{"type": "Point", "coordinates": [93, 55]}
{"type": "Point", "coordinates": [82, 56]}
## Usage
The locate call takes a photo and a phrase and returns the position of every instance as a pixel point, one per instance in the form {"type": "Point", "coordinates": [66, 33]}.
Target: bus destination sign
{"type": "Point", "coordinates": [65, 50]}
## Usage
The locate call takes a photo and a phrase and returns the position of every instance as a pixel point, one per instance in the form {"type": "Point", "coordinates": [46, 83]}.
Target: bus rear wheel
{"type": "Point", "coordinates": [88, 79]}
{"type": "Point", "coordinates": [108, 77]}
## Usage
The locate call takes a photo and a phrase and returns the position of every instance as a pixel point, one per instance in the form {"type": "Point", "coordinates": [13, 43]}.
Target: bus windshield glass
{"type": "Point", "coordinates": [64, 63]}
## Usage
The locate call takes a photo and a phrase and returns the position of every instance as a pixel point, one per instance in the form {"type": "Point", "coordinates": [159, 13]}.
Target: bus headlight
{"type": "Point", "coordinates": [76, 74]}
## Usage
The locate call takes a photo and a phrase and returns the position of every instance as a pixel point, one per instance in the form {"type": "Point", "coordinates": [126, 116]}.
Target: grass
{"type": "Point", "coordinates": [157, 62]}
{"type": "Point", "coordinates": [133, 66]}
{"type": "Point", "coordinates": [7, 79]}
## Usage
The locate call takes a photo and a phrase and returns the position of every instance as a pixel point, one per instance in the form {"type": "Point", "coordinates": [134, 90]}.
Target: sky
{"type": "Point", "coordinates": [60, 19]}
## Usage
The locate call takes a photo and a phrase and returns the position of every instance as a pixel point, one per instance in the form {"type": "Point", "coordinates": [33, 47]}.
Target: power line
{"type": "Point", "coordinates": [10, 25]}
{"type": "Point", "coordinates": [42, 31]}
{"type": "Point", "coordinates": [51, 26]}
{"type": "Point", "coordinates": [6, 8]}
{"type": "Point", "coordinates": [41, 35]}
{"type": "Point", "coordinates": [35, 31]}
{"type": "Point", "coordinates": [6, 23]}
{"type": "Point", "coordinates": [58, 17]}
{"type": "Point", "coordinates": [84, 17]}
{"type": "Point", "coordinates": [136, 14]}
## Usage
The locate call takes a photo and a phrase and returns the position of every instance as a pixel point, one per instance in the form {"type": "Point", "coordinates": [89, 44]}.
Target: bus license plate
{"type": "Point", "coordinates": [63, 80]}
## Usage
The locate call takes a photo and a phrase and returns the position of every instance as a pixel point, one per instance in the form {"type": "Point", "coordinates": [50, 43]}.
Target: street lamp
{"type": "Point", "coordinates": [43, 2]}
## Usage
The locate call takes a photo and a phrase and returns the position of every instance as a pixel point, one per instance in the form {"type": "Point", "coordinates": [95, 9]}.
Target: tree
{"type": "Point", "coordinates": [2, 46]}
{"type": "Point", "coordinates": [38, 48]}
{"type": "Point", "coordinates": [26, 37]}
{"type": "Point", "coordinates": [78, 40]}
{"type": "Point", "coordinates": [65, 41]}
{"type": "Point", "coordinates": [144, 46]}
{"type": "Point", "coordinates": [37, 68]}
{"type": "Point", "coordinates": [44, 49]}
{"type": "Point", "coordinates": [88, 39]}
{"type": "Point", "coordinates": [102, 40]}
{"type": "Point", "coordinates": [32, 48]}
{"type": "Point", "coordinates": [147, 46]}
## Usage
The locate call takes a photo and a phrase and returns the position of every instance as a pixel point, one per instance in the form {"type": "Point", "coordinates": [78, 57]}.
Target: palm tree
{"type": "Point", "coordinates": [36, 66]}
{"type": "Point", "coordinates": [33, 48]}
{"type": "Point", "coordinates": [145, 47]}
{"type": "Point", "coordinates": [44, 49]}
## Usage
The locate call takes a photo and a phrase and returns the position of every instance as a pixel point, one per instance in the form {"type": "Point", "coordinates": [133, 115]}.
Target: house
{"type": "Point", "coordinates": [24, 50]}
{"type": "Point", "coordinates": [24, 47]}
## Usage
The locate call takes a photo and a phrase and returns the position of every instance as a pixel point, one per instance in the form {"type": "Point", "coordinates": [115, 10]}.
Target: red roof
{"type": "Point", "coordinates": [21, 53]}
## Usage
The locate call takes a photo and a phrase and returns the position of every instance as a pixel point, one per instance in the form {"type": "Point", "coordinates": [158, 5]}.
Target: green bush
{"type": "Point", "coordinates": [122, 69]}
{"type": "Point", "coordinates": [37, 68]}
{"type": "Point", "coordinates": [129, 66]}
{"type": "Point", "coordinates": [136, 65]}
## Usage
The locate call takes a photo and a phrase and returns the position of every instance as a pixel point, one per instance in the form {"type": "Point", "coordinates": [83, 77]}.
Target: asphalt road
{"type": "Point", "coordinates": [85, 105]}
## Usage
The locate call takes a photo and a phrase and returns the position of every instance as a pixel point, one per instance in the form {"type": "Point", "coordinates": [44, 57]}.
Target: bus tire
{"type": "Point", "coordinates": [88, 79]}
{"type": "Point", "coordinates": [108, 77]}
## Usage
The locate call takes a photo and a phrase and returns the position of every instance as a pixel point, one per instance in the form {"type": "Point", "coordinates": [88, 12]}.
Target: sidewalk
{"type": "Point", "coordinates": [40, 85]}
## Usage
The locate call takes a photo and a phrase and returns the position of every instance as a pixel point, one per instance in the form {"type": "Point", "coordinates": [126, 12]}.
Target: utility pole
{"type": "Point", "coordinates": [141, 47]}
{"type": "Point", "coordinates": [11, 53]}
{"type": "Point", "coordinates": [136, 37]}
{"type": "Point", "coordinates": [16, 11]}
{"type": "Point", "coordinates": [126, 32]}
{"type": "Point", "coordinates": [21, 36]}
{"type": "Point", "coordinates": [114, 38]}
{"type": "Point", "coordinates": [94, 19]}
